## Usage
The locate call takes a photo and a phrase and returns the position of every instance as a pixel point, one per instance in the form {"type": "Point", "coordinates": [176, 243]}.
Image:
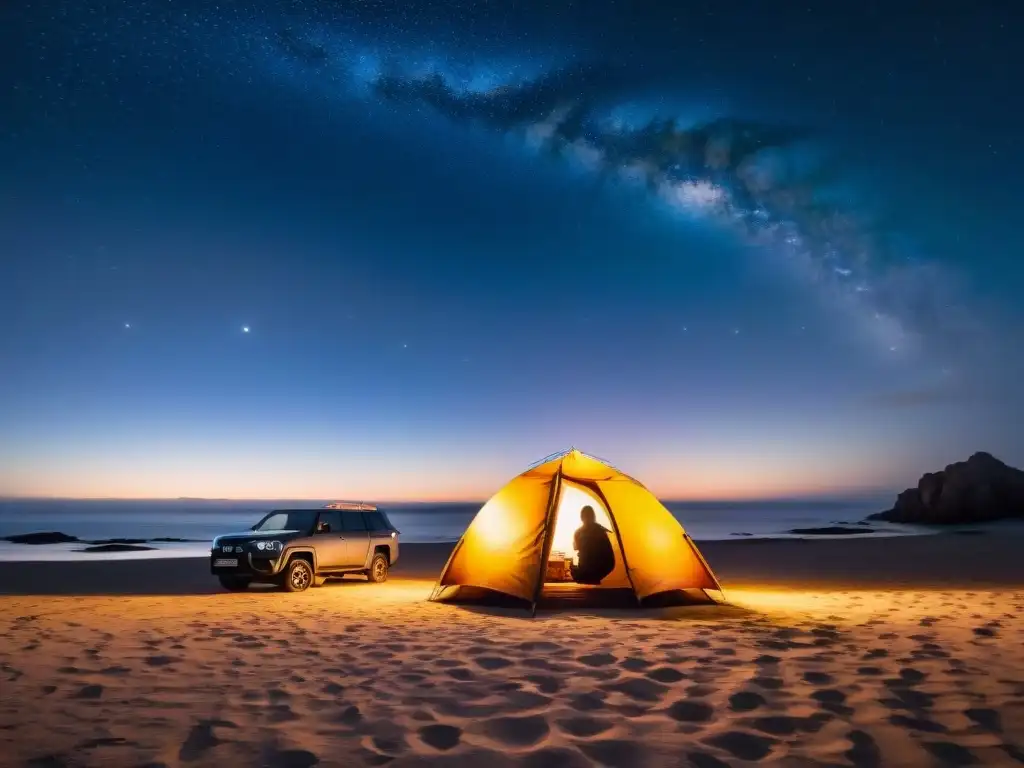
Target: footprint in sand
{"type": "Point", "coordinates": [917, 724]}
{"type": "Point", "coordinates": [743, 745]}
{"type": "Point", "coordinates": [201, 739]}
{"type": "Point", "coordinates": [817, 678]}
{"type": "Point", "coordinates": [493, 662]}
{"type": "Point", "coordinates": [543, 646]}
{"type": "Point", "coordinates": [89, 692]}
{"type": "Point", "coordinates": [597, 659]}
{"type": "Point", "coordinates": [769, 683]}
{"type": "Point", "coordinates": [440, 737]}
{"type": "Point", "coordinates": [350, 715]}
{"type": "Point", "coordinates": [614, 752]}
{"type": "Point", "coordinates": [912, 676]}
{"type": "Point", "coordinates": [390, 745]}
{"type": "Point", "coordinates": [545, 683]}
{"type": "Point", "coordinates": [908, 698]}
{"type": "Point", "coordinates": [507, 686]}
{"type": "Point", "coordinates": [583, 727]}
{"type": "Point", "coordinates": [517, 731]}
{"type": "Point", "coordinates": [745, 701]}
{"type": "Point", "coordinates": [704, 760]}
{"type": "Point", "coordinates": [949, 753]}
{"type": "Point", "coordinates": [779, 725]}
{"type": "Point", "coordinates": [832, 700]}
{"type": "Point", "coordinates": [987, 718]}
{"type": "Point", "coordinates": [666, 675]}
{"type": "Point", "coordinates": [554, 757]}
{"type": "Point", "coordinates": [587, 702]}
{"type": "Point", "coordinates": [282, 713]}
{"type": "Point", "coordinates": [691, 711]}
{"type": "Point", "coordinates": [292, 758]}
{"type": "Point", "coordinates": [635, 664]}
{"type": "Point", "coordinates": [639, 688]}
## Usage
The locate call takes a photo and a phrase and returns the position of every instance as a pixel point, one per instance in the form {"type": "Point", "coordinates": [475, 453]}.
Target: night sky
{"type": "Point", "coordinates": [400, 250]}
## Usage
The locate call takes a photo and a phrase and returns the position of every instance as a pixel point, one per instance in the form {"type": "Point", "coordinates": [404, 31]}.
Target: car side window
{"type": "Point", "coordinates": [354, 521]}
{"type": "Point", "coordinates": [375, 522]}
{"type": "Point", "coordinates": [333, 520]}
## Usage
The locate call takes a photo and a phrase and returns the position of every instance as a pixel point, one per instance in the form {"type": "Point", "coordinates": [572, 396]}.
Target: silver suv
{"type": "Point", "coordinates": [300, 548]}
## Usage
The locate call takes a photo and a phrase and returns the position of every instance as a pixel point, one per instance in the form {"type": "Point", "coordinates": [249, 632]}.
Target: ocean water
{"type": "Point", "coordinates": [200, 521]}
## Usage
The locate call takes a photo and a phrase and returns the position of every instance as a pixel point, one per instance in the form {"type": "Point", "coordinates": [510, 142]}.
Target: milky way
{"type": "Point", "coordinates": [732, 171]}
{"type": "Point", "coordinates": [743, 175]}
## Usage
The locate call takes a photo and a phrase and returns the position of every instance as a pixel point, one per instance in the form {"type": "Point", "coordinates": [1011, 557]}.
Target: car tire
{"type": "Point", "coordinates": [298, 576]}
{"type": "Point", "coordinates": [378, 572]}
{"type": "Point", "coordinates": [234, 583]}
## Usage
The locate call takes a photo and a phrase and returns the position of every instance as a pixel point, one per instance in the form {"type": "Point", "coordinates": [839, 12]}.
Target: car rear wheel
{"type": "Point", "coordinates": [298, 576]}
{"type": "Point", "coordinates": [234, 583]}
{"type": "Point", "coordinates": [378, 572]}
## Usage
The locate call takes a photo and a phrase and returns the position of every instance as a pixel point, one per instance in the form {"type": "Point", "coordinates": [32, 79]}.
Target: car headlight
{"type": "Point", "coordinates": [269, 546]}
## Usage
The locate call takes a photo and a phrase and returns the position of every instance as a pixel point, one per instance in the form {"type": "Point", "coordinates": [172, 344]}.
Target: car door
{"type": "Point", "coordinates": [357, 538]}
{"type": "Point", "coordinates": [331, 541]}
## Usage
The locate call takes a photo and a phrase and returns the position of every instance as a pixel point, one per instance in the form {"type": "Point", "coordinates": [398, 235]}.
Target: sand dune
{"type": "Point", "coordinates": [358, 674]}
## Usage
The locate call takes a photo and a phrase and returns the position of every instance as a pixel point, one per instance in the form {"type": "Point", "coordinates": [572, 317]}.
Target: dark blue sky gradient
{"type": "Point", "coordinates": [434, 303]}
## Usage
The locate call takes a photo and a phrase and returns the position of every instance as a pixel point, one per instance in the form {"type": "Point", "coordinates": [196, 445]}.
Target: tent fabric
{"type": "Point", "coordinates": [503, 548]}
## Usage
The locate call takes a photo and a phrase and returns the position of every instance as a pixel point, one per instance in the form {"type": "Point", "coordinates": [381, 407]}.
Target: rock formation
{"type": "Point", "coordinates": [979, 490]}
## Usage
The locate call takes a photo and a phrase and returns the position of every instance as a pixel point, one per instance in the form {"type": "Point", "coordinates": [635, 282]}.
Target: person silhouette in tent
{"type": "Point", "coordinates": [596, 556]}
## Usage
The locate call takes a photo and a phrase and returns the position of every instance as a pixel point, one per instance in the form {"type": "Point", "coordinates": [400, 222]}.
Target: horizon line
{"type": "Point", "coordinates": [810, 497]}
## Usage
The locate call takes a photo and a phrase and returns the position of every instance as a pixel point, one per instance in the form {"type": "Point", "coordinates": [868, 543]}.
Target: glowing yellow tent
{"type": "Point", "coordinates": [508, 544]}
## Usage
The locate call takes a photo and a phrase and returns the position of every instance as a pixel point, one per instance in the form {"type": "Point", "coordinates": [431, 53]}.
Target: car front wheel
{"type": "Point", "coordinates": [234, 583]}
{"type": "Point", "coordinates": [378, 572]}
{"type": "Point", "coordinates": [298, 576]}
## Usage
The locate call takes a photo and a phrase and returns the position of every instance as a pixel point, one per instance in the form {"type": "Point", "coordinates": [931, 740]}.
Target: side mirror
{"type": "Point", "coordinates": [323, 527]}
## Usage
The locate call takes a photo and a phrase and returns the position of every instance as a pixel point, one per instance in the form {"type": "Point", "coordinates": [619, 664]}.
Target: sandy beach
{"type": "Point", "coordinates": [872, 652]}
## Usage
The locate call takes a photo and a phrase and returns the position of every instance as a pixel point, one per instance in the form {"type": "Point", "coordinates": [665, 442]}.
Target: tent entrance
{"type": "Point", "coordinates": [562, 556]}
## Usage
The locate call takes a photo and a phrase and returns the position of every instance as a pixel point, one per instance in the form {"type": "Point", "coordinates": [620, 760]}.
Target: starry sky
{"type": "Point", "coordinates": [401, 250]}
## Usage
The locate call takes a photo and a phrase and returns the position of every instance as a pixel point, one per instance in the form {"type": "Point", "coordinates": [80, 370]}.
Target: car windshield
{"type": "Point", "coordinates": [287, 520]}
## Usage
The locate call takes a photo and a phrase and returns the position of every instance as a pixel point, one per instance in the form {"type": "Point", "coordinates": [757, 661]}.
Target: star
{"type": "Point", "coordinates": [127, 325]}
{"type": "Point", "coordinates": [245, 329]}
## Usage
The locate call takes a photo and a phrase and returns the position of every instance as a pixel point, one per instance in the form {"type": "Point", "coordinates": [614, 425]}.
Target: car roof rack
{"type": "Point", "coordinates": [359, 505]}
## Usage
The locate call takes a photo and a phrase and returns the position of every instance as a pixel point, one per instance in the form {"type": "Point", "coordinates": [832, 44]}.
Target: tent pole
{"type": "Point", "coordinates": [618, 538]}
{"type": "Point", "coordinates": [545, 550]}
{"type": "Point", "coordinates": [704, 563]}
